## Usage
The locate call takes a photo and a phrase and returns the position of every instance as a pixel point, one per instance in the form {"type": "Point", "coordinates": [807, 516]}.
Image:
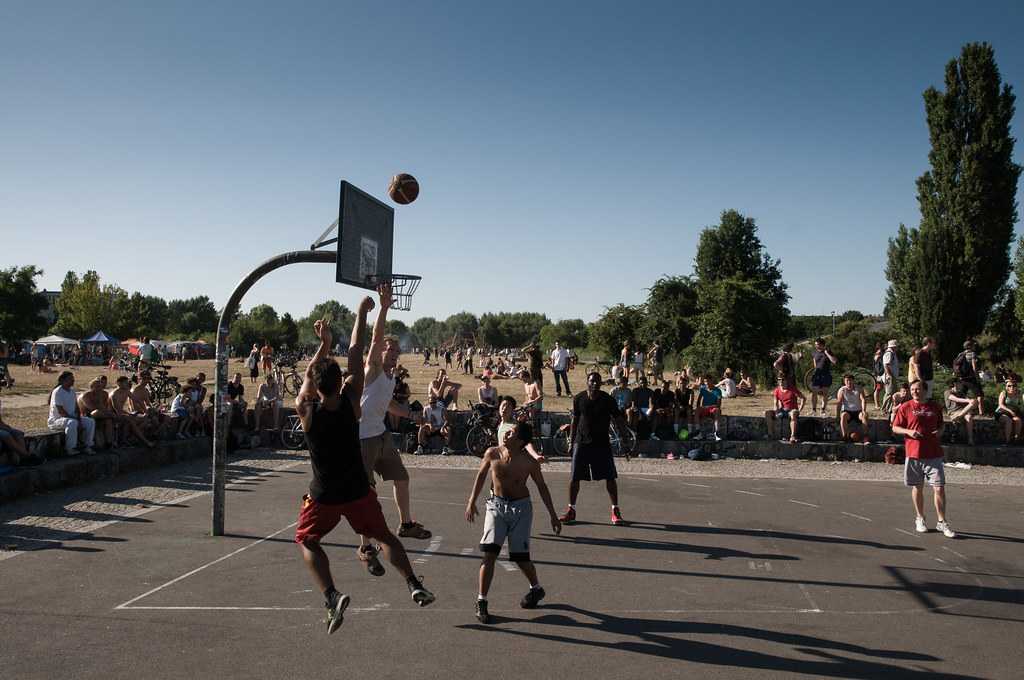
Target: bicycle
{"type": "Point", "coordinates": [290, 381]}
{"type": "Point", "coordinates": [622, 443]}
{"type": "Point", "coordinates": [481, 429]}
{"type": "Point", "coordinates": [293, 437]}
{"type": "Point", "coordinates": [162, 387]}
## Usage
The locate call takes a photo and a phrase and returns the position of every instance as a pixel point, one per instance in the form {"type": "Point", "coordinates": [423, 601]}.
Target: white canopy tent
{"type": "Point", "coordinates": [58, 341]}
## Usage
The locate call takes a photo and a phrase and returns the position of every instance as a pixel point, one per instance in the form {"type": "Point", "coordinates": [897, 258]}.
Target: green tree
{"type": "Point", "coordinates": [144, 315]}
{"type": "Point", "coordinates": [190, 319]}
{"type": "Point", "coordinates": [619, 323]}
{"type": "Point", "coordinates": [572, 333]}
{"type": "Point", "coordinates": [511, 329]}
{"type": "Point", "coordinates": [85, 306]}
{"type": "Point", "coordinates": [903, 271]}
{"type": "Point", "coordinates": [289, 331]}
{"type": "Point", "coordinates": [429, 331]}
{"type": "Point", "coordinates": [670, 313]}
{"type": "Point", "coordinates": [341, 317]}
{"type": "Point", "coordinates": [968, 205]}
{"type": "Point", "coordinates": [733, 250]}
{"type": "Point", "coordinates": [21, 305]}
{"type": "Point", "coordinates": [458, 324]}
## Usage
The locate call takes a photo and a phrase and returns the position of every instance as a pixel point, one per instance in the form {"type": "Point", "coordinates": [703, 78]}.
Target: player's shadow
{"type": "Point", "coordinates": [772, 534]}
{"type": "Point", "coordinates": [971, 535]}
{"type": "Point", "coordinates": [671, 639]}
{"type": "Point", "coordinates": [710, 552]}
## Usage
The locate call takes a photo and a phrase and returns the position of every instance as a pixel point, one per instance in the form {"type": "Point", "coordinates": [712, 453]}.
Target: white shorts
{"type": "Point", "coordinates": [508, 520]}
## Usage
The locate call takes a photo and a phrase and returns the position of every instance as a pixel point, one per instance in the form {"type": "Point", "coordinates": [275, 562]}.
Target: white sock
{"type": "Point", "coordinates": [571, 506]}
{"type": "Point", "coordinates": [615, 507]}
{"type": "Point", "coordinates": [536, 587]}
{"type": "Point", "coordinates": [480, 598]}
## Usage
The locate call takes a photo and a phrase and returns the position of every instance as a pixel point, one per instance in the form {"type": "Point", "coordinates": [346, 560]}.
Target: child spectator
{"type": "Point", "coordinates": [180, 408]}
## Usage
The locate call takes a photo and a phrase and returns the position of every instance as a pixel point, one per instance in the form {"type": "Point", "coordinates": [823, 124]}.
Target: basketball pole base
{"type": "Point", "coordinates": [220, 413]}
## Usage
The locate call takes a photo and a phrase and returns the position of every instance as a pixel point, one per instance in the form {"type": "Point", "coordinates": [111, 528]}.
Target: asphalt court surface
{"type": "Point", "coordinates": [721, 577]}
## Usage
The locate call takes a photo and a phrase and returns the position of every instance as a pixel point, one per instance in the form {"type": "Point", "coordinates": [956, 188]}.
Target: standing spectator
{"type": "Point", "coordinates": [400, 396]}
{"type": "Point", "coordinates": [657, 358]}
{"type": "Point", "coordinates": [267, 357]}
{"type": "Point", "coordinates": [851, 404]}
{"type": "Point", "coordinates": [879, 371]}
{"type": "Point", "coordinates": [65, 416]}
{"type": "Point", "coordinates": [920, 422]}
{"type": "Point", "coordinates": [922, 366]}
{"type": "Point", "coordinates": [467, 366]}
{"type": "Point", "coordinates": [253, 363]}
{"type": "Point", "coordinates": [147, 355]}
{"type": "Point", "coordinates": [785, 365]}
{"type": "Point", "coordinates": [268, 396]}
{"type": "Point", "coordinates": [533, 353]}
{"type": "Point", "coordinates": [625, 356]}
{"type": "Point", "coordinates": [960, 407]}
{"type": "Point", "coordinates": [560, 367]}
{"type": "Point", "coordinates": [965, 370]}
{"type": "Point", "coordinates": [709, 405]}
{"type": "Point", "coordinates": [788, 402]}
{"type": "Point", "coordinates": [534, 393]}
{"type": "Point", "coordinates": [447, 357]}
{"type": "Point", "coordinates": [890, 369]}
{"type": "Point", "coordinates": [1010, 411]}
{"type": "Point", "coordinates": [638, 363]}
{"type": "Point", "coordinates": [426, 356]}
{"type": "Point", "coordinates": [34, 357]}
{"type": "Point", "coordinates": [821, 378]}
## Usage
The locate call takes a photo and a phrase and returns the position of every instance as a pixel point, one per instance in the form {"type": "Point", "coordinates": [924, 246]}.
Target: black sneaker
{"type": "Point", "coordinates": [336, 611]}
{"type": "Point", "coordinates": [482, 615]}
{"type": "Point", "coordinates": [368, 555]}
{"type": "Point", "coordinates": [420, 595]}
{"type": "Point", "coordinates": [532, 598]}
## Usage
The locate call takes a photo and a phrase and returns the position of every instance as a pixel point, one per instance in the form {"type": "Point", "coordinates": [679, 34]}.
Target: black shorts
{"type": "Point", "coordinates": [591, 462]}
{"type": "Point", "coordinates": [821, 378]}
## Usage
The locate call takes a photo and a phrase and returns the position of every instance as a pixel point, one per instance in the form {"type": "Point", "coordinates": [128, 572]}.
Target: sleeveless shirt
{"type": "Point", "coordinates": [374, 404]}
{"type": "Point", "coordinates": [338, 472]}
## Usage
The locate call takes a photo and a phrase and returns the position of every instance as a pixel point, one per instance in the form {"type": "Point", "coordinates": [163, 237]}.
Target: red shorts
{"type": "Point", "coordinates": [707, 411]}
{"type": "Point", "coordinates": [365, 517]}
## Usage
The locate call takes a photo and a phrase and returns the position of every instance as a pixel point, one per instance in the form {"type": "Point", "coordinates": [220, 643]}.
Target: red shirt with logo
{"type": "Point", "coordinates": [787, 397]}
{"type": "Point", "coordinates": [924, 417]}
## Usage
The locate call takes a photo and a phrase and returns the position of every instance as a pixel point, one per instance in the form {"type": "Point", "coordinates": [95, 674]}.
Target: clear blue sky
{"type": "Point", "coordinates": [569, 153]}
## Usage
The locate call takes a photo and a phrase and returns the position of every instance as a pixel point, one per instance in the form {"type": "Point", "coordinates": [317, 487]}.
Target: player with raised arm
{"type": "Point", "coordinates": [509, 513]}
{"type": "Point", "coordinates": [379, 454]}
{"type": "Point", "coordinates": [328, 406]}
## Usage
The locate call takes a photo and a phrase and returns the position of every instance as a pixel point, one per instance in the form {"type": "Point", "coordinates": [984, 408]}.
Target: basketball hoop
{"type": "Point", "coordinates": [402, 288]}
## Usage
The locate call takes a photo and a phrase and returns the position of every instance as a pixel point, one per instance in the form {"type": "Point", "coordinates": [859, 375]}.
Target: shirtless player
{"type": "Point", "coordinates": [509, 513]}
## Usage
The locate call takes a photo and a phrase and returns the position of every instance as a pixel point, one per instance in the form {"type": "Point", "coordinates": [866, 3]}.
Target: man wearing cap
{"type": "Point", "coordinates": [891, 369]}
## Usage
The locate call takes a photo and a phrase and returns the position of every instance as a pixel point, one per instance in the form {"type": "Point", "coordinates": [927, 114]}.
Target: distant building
{"type": "Point", "coordinates": [50, 313]}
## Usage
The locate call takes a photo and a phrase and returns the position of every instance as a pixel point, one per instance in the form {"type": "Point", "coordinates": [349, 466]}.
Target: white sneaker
{"type": "Point", "coordinates": [920, 526]}
{"type": "Point", "coordinates": [944, 528]}
{"type": "Point", "coordinates": [419, 451]}
{"type": "Point", "coordinates": [717, 438]}
{"type": "Point", "coordinates": [446, 451]}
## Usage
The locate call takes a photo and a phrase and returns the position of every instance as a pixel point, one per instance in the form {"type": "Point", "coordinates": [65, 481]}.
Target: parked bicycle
{"type": "Point", "coordinates": [287, 375]}
{"type": "Point", "coordinates": [622, 440]}
{"type": "Point", "coordinates": [481, 428]}
{"type": "Point", "coordinates": [292, 435]}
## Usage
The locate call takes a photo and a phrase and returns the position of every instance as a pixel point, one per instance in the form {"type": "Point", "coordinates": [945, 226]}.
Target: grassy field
{"type": "Point", "coordinates": [25, 405]}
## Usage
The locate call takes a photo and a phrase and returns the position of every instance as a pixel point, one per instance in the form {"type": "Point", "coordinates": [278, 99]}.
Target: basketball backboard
{"type": "Point", "coordinates": [366, 231]}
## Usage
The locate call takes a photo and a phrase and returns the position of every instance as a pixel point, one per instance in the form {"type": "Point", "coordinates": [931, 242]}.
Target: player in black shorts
{"type": "Point", "coordinates": [327, 405]}
{"type": "Point", "coordinates": [592, 413]}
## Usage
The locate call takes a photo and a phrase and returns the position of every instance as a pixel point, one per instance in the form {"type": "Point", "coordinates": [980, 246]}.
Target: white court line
{"type": "Point", "coordinates": [77, 534]}
{"type": "Point", "coordinates": [435, 544]}
{"type": "Point", "coordinates": [703, 486]}
{"type": "Point", "coordinates": [387, 610]}
{"type": "Point", "coordinates": [812, 505]}
{"type": "Point", "coordinates": [749, 493]}
{"type": "Point", "coordinates": [850, 514]}
{"type": "Point", "coordinates": [961, 556]}
{"type": "Point", "coordinates": [467, 551]}
{"type": "Point", "coordinates": [642, 479]}
{"type": "Point", "coordinates": [904, 531]}
{"type": "Point", "coordinates": [199, 569]}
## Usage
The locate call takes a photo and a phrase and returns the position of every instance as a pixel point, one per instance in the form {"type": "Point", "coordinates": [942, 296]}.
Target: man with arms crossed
{"type": "Point", "coordinates": [509, 513]}
{"type": "Point", "coordinates": [328, 407]}
{"type": "Point", "coordinates": [379, 454]}
{"type": "Point", "coordinates": [592, 413]}
{"type": "Point", "coordinates": [920, 422]}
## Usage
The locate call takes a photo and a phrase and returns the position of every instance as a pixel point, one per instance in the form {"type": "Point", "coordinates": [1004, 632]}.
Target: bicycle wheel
{"type": "Point", "coordinates": [865, 381]}
{"type": "Point", "coordinates": [561, 442]}
{"type": "Point", "coordinates": [292, 435]}
{"type": "Point", "coordinates": [623, 442]}
{"type": "Point", "coordinates": [479, 439]}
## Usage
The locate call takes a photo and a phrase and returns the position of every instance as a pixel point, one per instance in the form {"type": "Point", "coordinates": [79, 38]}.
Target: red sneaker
{"type": "Point", "coordinates": [569, 517]}
{"type": "Point", "coordinates": [617, 517]}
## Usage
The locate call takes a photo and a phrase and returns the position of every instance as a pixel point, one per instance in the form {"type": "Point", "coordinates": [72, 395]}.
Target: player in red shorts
{"type": "Point", "coordinates": [328, 406]}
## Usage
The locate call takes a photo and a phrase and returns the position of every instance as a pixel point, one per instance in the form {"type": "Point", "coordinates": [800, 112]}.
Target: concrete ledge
{"type": "Point", "coordinates": [66, 471]}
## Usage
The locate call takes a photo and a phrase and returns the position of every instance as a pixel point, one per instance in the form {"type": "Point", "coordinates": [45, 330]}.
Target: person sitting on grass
{"type": "Point", "coordinates": [180, 407]}
{"type": "Point", "coordinates": [434, 425]}
{"type": "Point", "coordinates": [12, 441]}
{"type": "Point", "coordinates": [709, 405]}
{"type": "Point", "coordinates": [1009, 411]}
{"type": "Point", "coordinates": [268, 397]}
{"type": "Point", "coordinates": [788, 402]}
{"type": "Point", "coordinates": [745, 387]}
{"type": "Point", "coordinates": [95, 403]}
{"type": "Point", "coordinates": [727, 385]}
{"type": "Point", "coordinates": [487, 393]}
{"type": "Point", "coordinates": [446, 391]}
{"type": "Point", "coordinates": [962, 408]}
{"type": "Point", "coordinates": [851, 405]}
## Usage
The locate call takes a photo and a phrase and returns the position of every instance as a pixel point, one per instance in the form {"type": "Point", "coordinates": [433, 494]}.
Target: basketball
{"type": "Point", "coordinates": [403, 188]}
{"type": "Point", "coordinates": [855, 436]}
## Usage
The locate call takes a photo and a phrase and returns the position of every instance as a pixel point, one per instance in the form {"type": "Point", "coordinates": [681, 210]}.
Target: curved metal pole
{"type": "Point", "coordinates": [220, 403]}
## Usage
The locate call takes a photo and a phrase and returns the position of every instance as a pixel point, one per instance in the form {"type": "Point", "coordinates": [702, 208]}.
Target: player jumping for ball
{"type": "Point", "coordinates": [328, 406]}
{"type": "Point", "coordinates": [509, 513]}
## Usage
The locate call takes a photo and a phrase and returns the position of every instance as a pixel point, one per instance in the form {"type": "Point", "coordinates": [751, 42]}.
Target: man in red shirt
{"type": "Point", "coordinates": [788, 402]}
{"type": "Point", "coordinates": [920, 422]}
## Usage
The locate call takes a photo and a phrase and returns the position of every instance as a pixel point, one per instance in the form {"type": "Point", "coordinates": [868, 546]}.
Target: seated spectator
{"type": "Point", "coordinates": [236, 400]}
{"type": "Point", "coordinates": [487, 393]}
{"type": "Point", "coordinates": [199, 399]}
{"type": "Point", "coordinates": [95, 403]}
{"type": "Point", "coordinates": [962, 408]}
{"type": "Point", "coordinates": [1010, 411]}
{"type": "Point", "coordinates": [901, 395]}
{"type": "Point", "coordinates": [643, 398]}
{"type": "Point", "coordinates": [435, 424]}
{"type": "Point", "coordinates": [180, 408]}
{"type": "Point", "coordinates": [618, 373]}
{"type": "Point", "coordinates": [851, 404]}
{"type": "Point", "coordinates": [663, 413]}
{"type": "Point", "coordinates": [745, 387]}
{"type": "Point", "coordinates": [142, 405]}
{"type": "Point", "coordinates": [401, 395]}
{"type": "Point", "coordinates": [65, 416]}
{"type": "Point", "coordinates": [12, 444]}
{"type": "Point", "coordinates": [268, 396]}
{"type": "Point", "coordinates": [684, 402]}
{"type": "Point", "coordinates": [727, 385]}
{"type": "Point", "coordinates": [446, 391]}
{"type": "Point", "coordinates": [709, 405]}
{"type": "Point", "coordinates": [118, 398]}
{"type": "Point", "coordinates": [623, 396]}
{"type": "Point", "coordinates": [788, 402]}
